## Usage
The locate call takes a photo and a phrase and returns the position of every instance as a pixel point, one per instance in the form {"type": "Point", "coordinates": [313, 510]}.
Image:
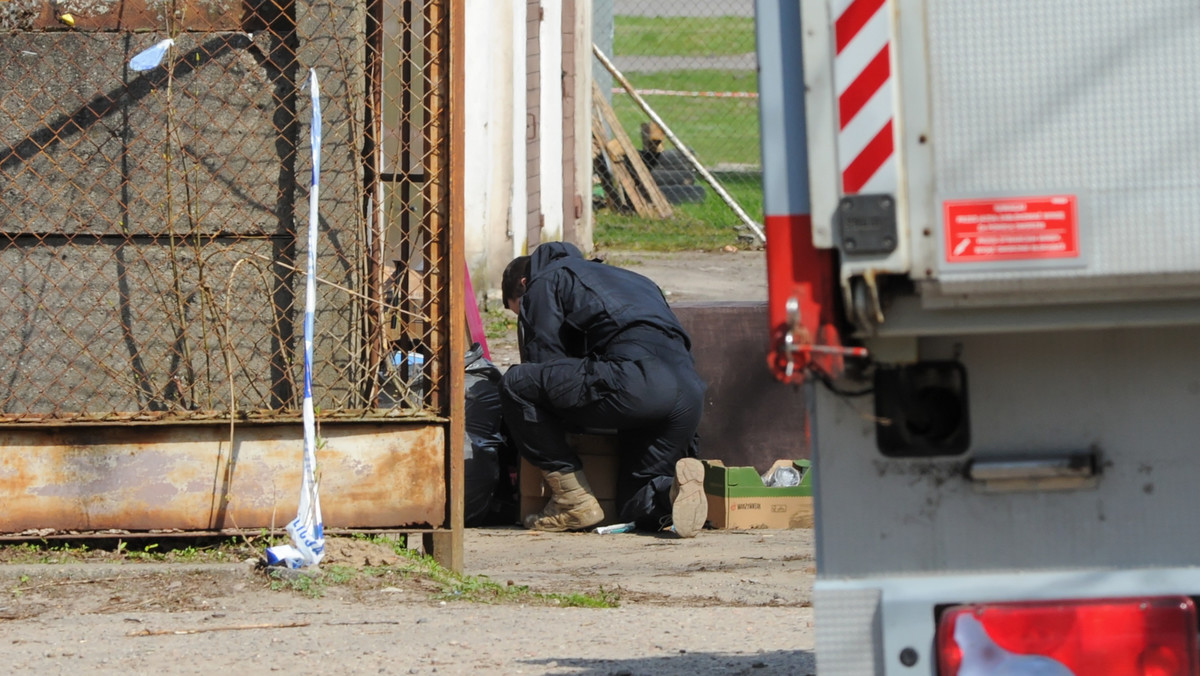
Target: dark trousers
{"type": "Point", "coordinates": [649, 393]}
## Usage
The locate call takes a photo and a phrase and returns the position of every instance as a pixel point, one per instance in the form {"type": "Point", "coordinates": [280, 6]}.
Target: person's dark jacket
{"type": "Point", "coordinates": [574, 307]}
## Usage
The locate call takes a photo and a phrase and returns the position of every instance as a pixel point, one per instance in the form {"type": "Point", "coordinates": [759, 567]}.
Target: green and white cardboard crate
{"type": "Point", "coordinates": [737, 498]}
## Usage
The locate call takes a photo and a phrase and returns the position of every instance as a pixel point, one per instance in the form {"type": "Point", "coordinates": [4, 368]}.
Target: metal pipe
{"type": "Point", "coordinates": [708, 177]}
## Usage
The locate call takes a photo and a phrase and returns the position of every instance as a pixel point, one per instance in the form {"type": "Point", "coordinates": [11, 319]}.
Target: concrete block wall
{"type": "Point", "coordinates": [119, 248]}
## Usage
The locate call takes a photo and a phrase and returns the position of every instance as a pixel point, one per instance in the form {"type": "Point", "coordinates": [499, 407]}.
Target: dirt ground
{"type": "Point", "coordinates": [725, 602]}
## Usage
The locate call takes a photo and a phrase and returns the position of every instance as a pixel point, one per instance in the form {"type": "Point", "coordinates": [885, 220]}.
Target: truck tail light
{"type": "Point", "coordinates": [1118, 637]}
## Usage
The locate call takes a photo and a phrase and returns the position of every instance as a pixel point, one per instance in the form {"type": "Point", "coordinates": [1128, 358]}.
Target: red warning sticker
{"type": "Point", "coordinates": [1011, 229]}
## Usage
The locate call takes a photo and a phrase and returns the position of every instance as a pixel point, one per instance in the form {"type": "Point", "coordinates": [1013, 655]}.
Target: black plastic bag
{"type": "Point", "coordinates": [488, 489]}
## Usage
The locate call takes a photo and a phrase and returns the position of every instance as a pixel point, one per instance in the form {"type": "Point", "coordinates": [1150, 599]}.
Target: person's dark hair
{"type": "Point", "coordinates": [510, 283]}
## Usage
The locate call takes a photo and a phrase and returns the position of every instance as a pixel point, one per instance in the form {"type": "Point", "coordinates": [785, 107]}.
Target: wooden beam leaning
{"type": "Point", "coordinates": [619, 170]}
{"type": "Point", "coordinates": [642, 175]}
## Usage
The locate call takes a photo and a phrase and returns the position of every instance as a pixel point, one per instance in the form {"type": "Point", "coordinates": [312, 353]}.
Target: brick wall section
{"type": "Point", "coordinates": [570, 216]}
{"type": "Point", "coordinates": [533, 141]}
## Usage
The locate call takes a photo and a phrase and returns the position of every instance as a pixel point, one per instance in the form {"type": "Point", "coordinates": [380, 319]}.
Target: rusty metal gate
{"type": "Point", "coordinates": [152, 254]}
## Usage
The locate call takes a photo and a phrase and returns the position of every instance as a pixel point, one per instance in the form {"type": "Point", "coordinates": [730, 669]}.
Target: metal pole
{"type": "Point", "coordinates": [737, 209]}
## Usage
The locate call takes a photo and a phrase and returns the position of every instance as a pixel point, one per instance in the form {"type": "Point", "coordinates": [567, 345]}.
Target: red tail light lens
{"type": "Point", "coordinates": [1111, 637]}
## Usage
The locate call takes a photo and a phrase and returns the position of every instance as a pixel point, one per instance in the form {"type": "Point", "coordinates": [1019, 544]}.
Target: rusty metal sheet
{"type": "Point", "coordinates": [111, 15]}
{"type": "Point", "coordinates": [196, 15]}
{"type": "Point", "coordinates": [44, 14]}
{"type": "Point", "coordinates": [371, 476]}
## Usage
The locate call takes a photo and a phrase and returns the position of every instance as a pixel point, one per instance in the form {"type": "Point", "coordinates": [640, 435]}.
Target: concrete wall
{"type": "Point", "coordinates": [551, 121]}
{"type": "Point", "coordinates": [583, 226]}
{"type": "Point", "coordinates": [105, 307]}
{"type": "Point", "coordinates": [494, 137]}
{"type": "Point", "coordinates": [487, 184]}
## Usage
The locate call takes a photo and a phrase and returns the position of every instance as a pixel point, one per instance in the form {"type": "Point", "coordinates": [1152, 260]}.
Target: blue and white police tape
{"type": "Point", "coordinates": [307, 530]}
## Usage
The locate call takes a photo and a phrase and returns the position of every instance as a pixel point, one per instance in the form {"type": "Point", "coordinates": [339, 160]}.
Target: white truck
{"type": "Point", "coordinates": [983, 243]}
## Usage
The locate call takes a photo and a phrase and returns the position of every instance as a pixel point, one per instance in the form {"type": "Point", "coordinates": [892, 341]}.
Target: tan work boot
{"type": "Point", "coordinates": [689, 506]}
{"type": "Point", "coordinates": [572, 504]}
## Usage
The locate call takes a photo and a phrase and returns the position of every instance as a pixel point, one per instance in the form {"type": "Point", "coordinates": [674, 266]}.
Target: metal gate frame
{"type": "Point", "coordinates": [72, 470]}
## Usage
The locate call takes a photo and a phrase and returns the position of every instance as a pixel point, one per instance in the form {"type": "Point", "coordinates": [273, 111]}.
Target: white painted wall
{"type": "Point", "coordinates": [518, 195]}
{"type": "Point", "coordinates": [495, 119]}
{"type": "Point", "coordinates": [477, 177]}
{"type": "Point", "coordinates": [551, 131]}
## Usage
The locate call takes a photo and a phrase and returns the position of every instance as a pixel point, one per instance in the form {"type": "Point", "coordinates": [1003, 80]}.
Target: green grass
{"type": "Point", "coordinates": [498, 322]}
{"type": "Point", "coordinates": [718, 131]}
{"type": "Point", "coordinates": [683, 36]}
{"type": "Point", "coordinates": [478, 589]}
{"type": "Point", "coordinates": [706, 226]}
{"type": "Point", "coordinates": [705, 79]}
{"type": "Point", "coordinates": [196, 550]}
{"type": "Point", "coordinates": [315, 584]}
{"type": "Point", "coordinates": [451, 586]}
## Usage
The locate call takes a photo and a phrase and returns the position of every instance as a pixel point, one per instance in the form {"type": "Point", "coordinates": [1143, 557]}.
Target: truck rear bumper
{"type": "Point", "coordinates": [864, 625]}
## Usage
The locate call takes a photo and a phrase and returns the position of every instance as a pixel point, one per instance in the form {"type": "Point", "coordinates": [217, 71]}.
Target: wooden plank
{"type": "Point", "coordinates": [642, 175]}
{"type": "Point", "coordinates": [619, 171]}
{"type": "Point", "coordinates": [600, 170]}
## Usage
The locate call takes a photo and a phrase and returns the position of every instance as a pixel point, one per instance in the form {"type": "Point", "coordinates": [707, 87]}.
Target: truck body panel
{"type": "Point", "coordinates": [1092, 100]}
{"type": "Point", "coordinates": [1010, 196]}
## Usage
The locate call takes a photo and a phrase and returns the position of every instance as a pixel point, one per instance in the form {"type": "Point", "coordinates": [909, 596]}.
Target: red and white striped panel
{"type": "Point", "coordinates": [862, 72]}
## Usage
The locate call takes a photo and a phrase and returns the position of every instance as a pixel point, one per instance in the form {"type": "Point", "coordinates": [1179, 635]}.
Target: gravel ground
{"type": "Point", "coordinates": [725, 602]}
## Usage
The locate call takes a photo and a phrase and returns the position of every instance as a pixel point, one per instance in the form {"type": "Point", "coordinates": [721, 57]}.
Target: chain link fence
{"type": "Point", "coordinates": [153, 223]}
{"type": "Point", "coordinates": [694, 64]}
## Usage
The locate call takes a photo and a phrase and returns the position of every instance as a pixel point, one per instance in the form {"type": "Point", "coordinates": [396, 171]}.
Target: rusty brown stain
{"type": "Point", "coordinates": [372, 476]}
{"type": "Point", "coordinates": [87, 15]}
{"type": "Point", "coordinates": [128, 15]}
{"type": "Point", "coordinates": [197, 15]}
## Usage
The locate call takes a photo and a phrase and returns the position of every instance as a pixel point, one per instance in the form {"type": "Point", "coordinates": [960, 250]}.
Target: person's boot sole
{"type": "Point", "coordinates": [689, 507]}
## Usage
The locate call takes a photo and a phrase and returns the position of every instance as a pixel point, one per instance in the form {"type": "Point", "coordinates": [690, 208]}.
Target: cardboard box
{"type": "Point", "coordinates": [737, 498]}
{"type": "Point", "coordinates": [600, 456]}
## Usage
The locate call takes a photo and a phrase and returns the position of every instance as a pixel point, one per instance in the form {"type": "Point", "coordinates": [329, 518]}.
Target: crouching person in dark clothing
{"type": "Point", "coordinates": [600, 348]}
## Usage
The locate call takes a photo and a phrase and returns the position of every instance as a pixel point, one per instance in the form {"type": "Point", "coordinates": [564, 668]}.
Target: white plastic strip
{"type": "Point", "coordinates": [151, 57]}
{"type": "Point", "coordinates": [692, 94]}
{"type": "Point", "coordinates": [307, 530]}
